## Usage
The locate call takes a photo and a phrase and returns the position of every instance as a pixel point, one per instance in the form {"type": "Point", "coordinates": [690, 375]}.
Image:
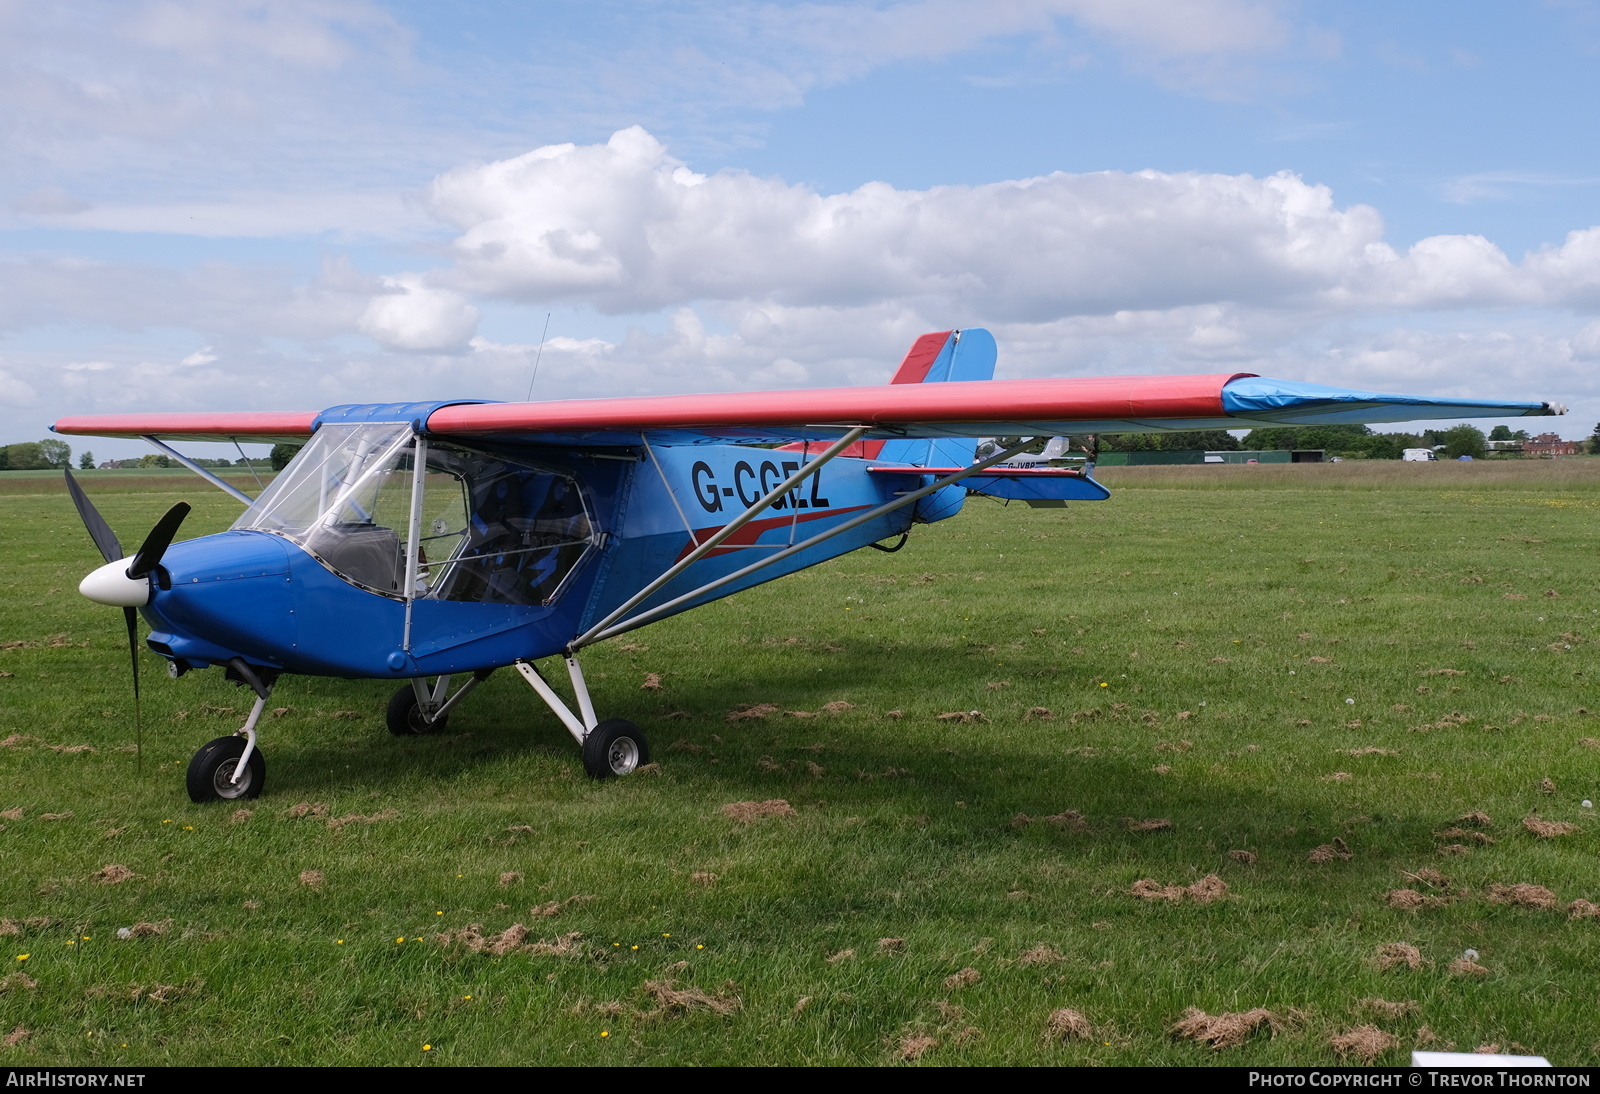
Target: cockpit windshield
{"type": "Point", "coordinates": [489, 528]}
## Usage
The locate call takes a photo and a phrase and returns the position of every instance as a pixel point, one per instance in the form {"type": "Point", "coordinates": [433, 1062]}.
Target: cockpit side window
{"type": "Point", "coordinates": [494, 529]}
{"type": "Point", "coordinates": [527, 529]}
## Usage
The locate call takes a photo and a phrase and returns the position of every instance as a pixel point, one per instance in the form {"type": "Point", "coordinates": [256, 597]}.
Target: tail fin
{"type": "Point", "coordinates": [945, 356]}
{"type": "Point", "coordinates": [948, 355]}
{"type": "Point", "coordinates": [940, 358]}
{"type": "Point", "coordinates": [934, 358]}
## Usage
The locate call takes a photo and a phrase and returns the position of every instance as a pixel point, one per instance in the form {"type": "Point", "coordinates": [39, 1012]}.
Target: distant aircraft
{"type": "Point", "coordinates": [409, 541]}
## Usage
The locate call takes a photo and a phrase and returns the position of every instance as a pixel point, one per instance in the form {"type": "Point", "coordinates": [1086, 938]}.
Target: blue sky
{"type": "Point", "coordinates": [257, 205]}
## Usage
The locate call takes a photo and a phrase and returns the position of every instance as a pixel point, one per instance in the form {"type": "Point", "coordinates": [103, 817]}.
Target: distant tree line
{"type": "Point", "coordinates": [1186, 440]}
{"type": "Point", "coordinates": [1353, 442]}
{"type": "Point", "coordinates": [154, 460]}
{"type": "Point", "coordinates": [52, 454]}
{"type": "Point", "coordinates": [35, 456]}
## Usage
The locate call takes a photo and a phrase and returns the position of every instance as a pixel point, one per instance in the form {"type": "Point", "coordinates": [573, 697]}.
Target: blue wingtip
{"type": "Point", "coordinates": [1265, 399]}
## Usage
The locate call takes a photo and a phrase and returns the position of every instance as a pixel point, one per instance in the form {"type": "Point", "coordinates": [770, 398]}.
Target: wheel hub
{"type": "Point", "coordinates": [622, 756]}
{"type": "Point", "coordinates": [226, 788]}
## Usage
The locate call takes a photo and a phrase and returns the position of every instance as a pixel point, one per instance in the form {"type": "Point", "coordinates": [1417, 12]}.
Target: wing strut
{"type": "Point", "coordinates": [852, 435]}
{"type": "Point", "coordinates": [225, 487]}
{"type": "Point", "coordinates": [606, 628]}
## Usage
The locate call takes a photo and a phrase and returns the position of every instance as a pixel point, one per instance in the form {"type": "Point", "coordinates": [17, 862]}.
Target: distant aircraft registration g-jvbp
{"type": "Point", "coordinates": [445, 540]}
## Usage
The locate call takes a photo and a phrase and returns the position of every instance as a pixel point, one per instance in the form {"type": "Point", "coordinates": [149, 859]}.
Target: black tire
{"type": "Point", "coordinates": [404, 717]}
{"type": "Point", "coordinates": [211, 772]}
{"type": "Point", "coordinates": [614, 747]}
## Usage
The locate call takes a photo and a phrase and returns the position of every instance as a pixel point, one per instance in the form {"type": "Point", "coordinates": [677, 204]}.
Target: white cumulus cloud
{"type": "Point", "coordinates": [625, 227]}
{"type": "Point", "coordinates": [412, 316]}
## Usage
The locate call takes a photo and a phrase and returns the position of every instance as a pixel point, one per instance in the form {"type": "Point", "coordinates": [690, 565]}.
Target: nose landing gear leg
{"type": "Point", "coordinates": [231, 768]}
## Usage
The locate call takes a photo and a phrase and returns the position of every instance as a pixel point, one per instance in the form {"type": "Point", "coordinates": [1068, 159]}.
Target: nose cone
{"type": "Point", "coordinates": [110, 584]}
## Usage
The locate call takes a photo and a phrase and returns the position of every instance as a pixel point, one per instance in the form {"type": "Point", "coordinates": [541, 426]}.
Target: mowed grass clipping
{"type": "Point", "coordinates": [1175, 778]}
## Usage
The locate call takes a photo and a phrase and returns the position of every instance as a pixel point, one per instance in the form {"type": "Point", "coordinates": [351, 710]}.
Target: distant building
{"type": "Point", "coordinates": [1549, 444]}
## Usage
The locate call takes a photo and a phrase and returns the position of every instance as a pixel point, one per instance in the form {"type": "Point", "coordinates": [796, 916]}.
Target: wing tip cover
{"type": "Point", "coordinates": [1256, 397]}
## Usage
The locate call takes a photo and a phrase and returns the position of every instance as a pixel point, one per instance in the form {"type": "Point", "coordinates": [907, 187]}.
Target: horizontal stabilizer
{"type": "Point", "coordinates": [1017, 483]}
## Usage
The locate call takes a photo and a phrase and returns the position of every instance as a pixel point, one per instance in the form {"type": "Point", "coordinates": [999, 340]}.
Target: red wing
{"type": "Point", "coordinates": [260, 427]}
{"type": "Point", "coordinates": [960, 409]}
{"type": "Point", "coordinates": [978, 408]}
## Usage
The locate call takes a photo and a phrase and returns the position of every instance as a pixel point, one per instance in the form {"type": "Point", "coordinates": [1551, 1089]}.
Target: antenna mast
{"type": "Point", "coordinates": [538, 355]}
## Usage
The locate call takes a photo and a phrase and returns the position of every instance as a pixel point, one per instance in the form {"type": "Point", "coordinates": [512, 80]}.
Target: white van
{"type": "Point", "coordinates": [1418, 455]}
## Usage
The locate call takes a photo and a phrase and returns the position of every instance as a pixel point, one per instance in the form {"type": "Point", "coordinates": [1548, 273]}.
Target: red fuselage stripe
{"type": "Point", "coordinates": [751, 532]}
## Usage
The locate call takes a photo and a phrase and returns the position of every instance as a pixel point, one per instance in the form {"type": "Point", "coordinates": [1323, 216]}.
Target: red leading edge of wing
{"type": "Point", "coordinates": [1109, 398]}
{"type": "Point", "coordinates": [198, 426]}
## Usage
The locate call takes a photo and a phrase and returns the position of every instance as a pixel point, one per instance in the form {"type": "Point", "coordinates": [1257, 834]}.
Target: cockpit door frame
{"type": "Point", "coordinates": [419, 477]}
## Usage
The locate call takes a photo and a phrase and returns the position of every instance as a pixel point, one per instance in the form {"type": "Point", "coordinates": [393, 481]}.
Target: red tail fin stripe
{"type": "Point", "coordinates": [920, 358]}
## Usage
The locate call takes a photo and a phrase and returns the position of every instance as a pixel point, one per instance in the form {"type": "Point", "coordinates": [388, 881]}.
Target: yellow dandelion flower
{"type": "Point", "coordinates": [699, 947]}
{"type": "Point", "coordinates": [438, 913]}
{"type": "Point", "coordinates": [70, 942]}
{"type": "Point", "coordinates": [605, 1033]}
{"type": "Point", "coordinates": [1105, 685]}
{"type": "Point", "coordinates": [636, 947]}
{"type": "Point", "coordinates": [188, 828]}
{"type": "Point", "coordinates": [666, 936]}
{"type": "Point", "coordinates": [427, 1048]}
{"type": "Point", "coordinates": [23, 956]}
{"type": "Point", "coordinates": [399, 940]}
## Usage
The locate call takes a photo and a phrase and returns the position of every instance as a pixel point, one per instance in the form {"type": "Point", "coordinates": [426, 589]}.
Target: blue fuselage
{"type": "Point", "coordinates": [263, 597]}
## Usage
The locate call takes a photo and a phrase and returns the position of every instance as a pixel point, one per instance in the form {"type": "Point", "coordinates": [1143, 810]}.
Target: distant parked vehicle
{"type": "Point", "coordinates": [1418, 455]}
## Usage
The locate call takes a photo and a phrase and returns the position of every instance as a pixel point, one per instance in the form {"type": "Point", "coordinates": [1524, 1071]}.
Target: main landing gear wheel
{"type": "Point", "coordinates": [404, 717]}
{"type": "Point", "coordinates": [211, 772]}
{"type": "Point", "coordinates": [614, 747]}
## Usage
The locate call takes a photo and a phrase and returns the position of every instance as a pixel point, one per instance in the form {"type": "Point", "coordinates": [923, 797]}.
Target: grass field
{"type": "Point", "coordinates": [1282, 665]}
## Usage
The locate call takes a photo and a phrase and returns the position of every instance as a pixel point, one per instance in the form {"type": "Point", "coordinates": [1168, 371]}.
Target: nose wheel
{"type": "Point", "coordinates": [231, 768]}
{"type": "Point", "coordinates": [214, 773]}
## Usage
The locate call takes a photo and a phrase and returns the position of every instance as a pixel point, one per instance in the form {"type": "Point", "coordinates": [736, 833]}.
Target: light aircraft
{"type": "Point", "coordinates": [435, 541]}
